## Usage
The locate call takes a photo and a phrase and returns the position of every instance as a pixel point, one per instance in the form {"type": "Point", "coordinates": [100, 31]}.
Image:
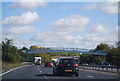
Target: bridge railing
{"type": "Point", "coordinates": [70, 50]}
{"type": "Point", "coordinates": [66, 49]}
{"type": "Point", "coordinates": [101, 68]}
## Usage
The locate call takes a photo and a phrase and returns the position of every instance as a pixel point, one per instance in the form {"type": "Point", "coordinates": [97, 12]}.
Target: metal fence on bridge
{"type": "Point", "coordinates": [70, 50]}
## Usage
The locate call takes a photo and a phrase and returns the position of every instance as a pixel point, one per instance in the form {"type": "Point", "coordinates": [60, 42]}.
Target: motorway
{"type": "Point", "coordinates": [40, 72]}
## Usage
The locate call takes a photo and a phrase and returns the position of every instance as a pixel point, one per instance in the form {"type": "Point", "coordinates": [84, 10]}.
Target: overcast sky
{"type": "Point", "coordinates": [60, 24]}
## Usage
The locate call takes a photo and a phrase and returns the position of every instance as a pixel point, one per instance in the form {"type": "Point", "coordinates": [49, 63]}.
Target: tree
{"type": "Point", "coordinates": [102, 47]}
{"type": "Point", "coordinates": [113, 56]}
{"type": "Point", "coordinates": [9, 51]}
{"type": "Point", "coordinates": [91, 59]}
{"type": "Point", "coordinates": [34, 47]}
{"type": "Point", "coordinates": [42, 48]}
{"type": "Point", "coordinates": [24, 48]}
{"type": "Point", "coordinates": [118, 44]}
{"type": "Point", "coordinates": [0, 51]}
{"type": "Point", "coordinates": [6, 48]}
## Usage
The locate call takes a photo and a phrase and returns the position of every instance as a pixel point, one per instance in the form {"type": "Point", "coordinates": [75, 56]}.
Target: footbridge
{"type": "Point", "coordinates": [69, 50]}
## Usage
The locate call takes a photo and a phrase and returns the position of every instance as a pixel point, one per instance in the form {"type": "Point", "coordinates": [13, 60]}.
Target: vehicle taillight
{"type": "Point", "coordinates": [75, 65]}
{"type": "Point", "coordinates": [50, 64]}
{"type": "Point", "coordinates": [60, 64]}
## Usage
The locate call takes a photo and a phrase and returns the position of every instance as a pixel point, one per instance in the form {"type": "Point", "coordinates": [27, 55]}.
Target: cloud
{"type": "Point", "coordinates": [63, 34]}
{"type": "Point", "coordinates": [20, 42]}
{"type": "Point", "coordinates": [115, 32]}
{"type": "Point", "coordinates": [65, 39]}
{"type": "Point", "coordinates": [72, 23]}
{"type": "Point", "coordinates": [0, 33]}
{"type": "Point", "coordinates": [113, 0]}
{"type": "Point", "coordinates": [21, 30]}
{"type": "Point", "coordinates": [90, 6]}
{"type": "Point", "coordinates": [110, 7]}
{"type": "Point", "coordinates": [24, 19]}
{"type": "Point", "coordinates": [28, 4]}
{"type": "Point", "coordinates": [93, 38]}
{"type": "Point", "coordinates": [99, 29]}
{"type": "Point", "coordinates": [52, 39]}
{"type": "Point", "coordinates": [7, 35]}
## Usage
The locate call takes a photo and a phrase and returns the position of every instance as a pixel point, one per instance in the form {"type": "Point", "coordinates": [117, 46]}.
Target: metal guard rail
{"type": "Point", "coordinates": [101, 68]}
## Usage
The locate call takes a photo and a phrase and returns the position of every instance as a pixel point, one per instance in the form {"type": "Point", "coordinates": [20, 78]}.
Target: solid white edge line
{"type": "Point", "coordinates": [13, 70]}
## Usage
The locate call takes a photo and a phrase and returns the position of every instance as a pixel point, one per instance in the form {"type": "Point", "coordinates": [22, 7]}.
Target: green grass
{"type": "Point", "coordinates": [8, 66]}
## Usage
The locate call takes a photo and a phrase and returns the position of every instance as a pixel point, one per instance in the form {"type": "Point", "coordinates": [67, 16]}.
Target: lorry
{"type": "Point", "coordinates": [37, 60]}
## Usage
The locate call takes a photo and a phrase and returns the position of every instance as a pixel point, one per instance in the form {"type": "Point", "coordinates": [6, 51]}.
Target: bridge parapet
{"type": "Point", "coordinates": [73, 49]}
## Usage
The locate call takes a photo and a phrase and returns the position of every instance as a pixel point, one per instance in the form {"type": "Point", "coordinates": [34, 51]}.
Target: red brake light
{"type": "Point", "coordinates": [75, 65]}
{"type": "Point", "coordinates": [50, 64]}
{"type": "Point", "coordinates": [60, 64]}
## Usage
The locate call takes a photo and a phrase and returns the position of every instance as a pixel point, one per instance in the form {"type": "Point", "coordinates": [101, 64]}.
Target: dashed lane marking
{"type": "Point", "coordinates": [90, 76]}
{"type": "Point", "coordinates": [39, 70]}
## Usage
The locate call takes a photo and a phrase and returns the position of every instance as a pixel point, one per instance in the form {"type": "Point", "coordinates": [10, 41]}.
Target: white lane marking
{"type": "Point", "coordinates": [39, 70]}
{"type": "Point", "coordinates": [43, 75]}
{"type": "Point", "coordinates": [13, 69]}
{"type": "Point", "coordinates": [90, 76]}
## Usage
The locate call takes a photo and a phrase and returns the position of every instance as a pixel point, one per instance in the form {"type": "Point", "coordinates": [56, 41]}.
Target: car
{"type": "Point", "coordinates": [85, 63]}
{"type": "Point", "coordinates": [49, 64]}
{"type": "Point", "coordinates": [66, 66]}
{"type": "Point", "coordinates": [105, 64]}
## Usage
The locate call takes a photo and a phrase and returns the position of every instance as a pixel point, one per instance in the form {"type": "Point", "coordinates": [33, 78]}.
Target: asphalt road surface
{"type": "Point", "coordinates": [40, 72]}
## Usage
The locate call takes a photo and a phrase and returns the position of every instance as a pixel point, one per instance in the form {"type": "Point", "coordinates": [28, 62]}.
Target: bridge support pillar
{"type": "Point", "coordinates": [27, 58]}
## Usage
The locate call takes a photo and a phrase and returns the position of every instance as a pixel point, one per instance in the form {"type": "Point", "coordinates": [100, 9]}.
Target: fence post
{"type": "Point", "coordinates": [111, 69]}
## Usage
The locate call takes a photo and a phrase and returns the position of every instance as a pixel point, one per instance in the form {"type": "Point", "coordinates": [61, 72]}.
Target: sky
{"type": "Point", "coordinates": [60, 24]}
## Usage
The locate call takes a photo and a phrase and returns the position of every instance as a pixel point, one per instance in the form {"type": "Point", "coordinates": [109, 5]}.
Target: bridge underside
{"type": "Point", "coordinates": [84, 52]}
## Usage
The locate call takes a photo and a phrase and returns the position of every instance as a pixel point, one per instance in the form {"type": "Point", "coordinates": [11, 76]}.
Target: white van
{"type": "Point", "coordinates": [37, 60]}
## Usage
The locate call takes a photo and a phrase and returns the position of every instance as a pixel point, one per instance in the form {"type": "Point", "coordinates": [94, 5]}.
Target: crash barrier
{"type": "Point", "coordinates": [101, 68]}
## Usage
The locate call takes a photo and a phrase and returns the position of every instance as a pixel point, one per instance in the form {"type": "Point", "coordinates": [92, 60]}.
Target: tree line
{"type": "Point", "coordinates": [10, 53]}
{"type": "Point", "coordinates": [113, 55]}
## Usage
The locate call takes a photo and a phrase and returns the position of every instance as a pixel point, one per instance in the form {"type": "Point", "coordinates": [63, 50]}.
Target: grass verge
{"type": "Point", "coordinates": [6, 66]}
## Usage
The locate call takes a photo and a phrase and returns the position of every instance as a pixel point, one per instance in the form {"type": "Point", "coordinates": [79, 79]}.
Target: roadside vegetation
{"type": "Point", "coordinates": [10, 65]}
{"type": "Point", "coordinates": [10, 53]}
{"type": "Point", "coordinates": [11, 56]}
{"type": "Point", "coordinates": [113, 55]}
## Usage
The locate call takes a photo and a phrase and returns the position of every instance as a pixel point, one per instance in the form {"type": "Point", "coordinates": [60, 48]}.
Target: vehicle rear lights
{"type": "Point", "coordinates": [75, 65]}
{"type": "Point", "coordinates": [51, 64]}
{"type": "Point", "coordinates": [60, 64]}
